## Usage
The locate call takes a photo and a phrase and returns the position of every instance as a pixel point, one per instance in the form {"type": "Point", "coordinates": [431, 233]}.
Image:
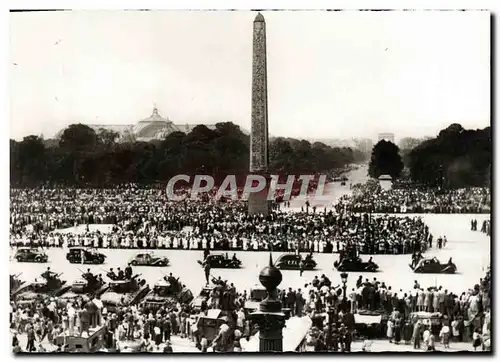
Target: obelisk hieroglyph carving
{"type": "Point", "coordinates": [259, 156]}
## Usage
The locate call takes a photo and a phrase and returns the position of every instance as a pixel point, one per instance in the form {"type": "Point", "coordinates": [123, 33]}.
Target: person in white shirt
{"type": "Point", "coordinates": [71, 318]}
{"type": "Point", "coordinates": [426, 336]}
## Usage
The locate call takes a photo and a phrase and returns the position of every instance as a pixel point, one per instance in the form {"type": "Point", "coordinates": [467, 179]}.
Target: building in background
{"type": "Point", "coordinates": [154, 127]}
{"type": "Point", "coordinates": [389, 137]}
{"type": "Point", "coordinates": [365, 145]}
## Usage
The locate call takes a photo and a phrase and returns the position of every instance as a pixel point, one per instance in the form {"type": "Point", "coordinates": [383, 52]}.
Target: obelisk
{"type": "Point", "coordinates": [259, 156]}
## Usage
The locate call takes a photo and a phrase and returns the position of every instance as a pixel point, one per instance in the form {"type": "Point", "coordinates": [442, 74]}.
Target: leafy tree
{"type": "Point", "coordinates": [455, 158]}
{"type": "Point", "coordinates": [78, 137]}
{"type": "Point", "coordinates": [83, 157]}
{"type": "Point", "coordinates": [385, 160]}
{"type": "Point", "coordinates": [107, 137]}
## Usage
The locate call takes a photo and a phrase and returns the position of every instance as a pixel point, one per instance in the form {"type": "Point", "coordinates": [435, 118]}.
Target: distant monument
{"type": "Point", "coordinates": [259, 140]}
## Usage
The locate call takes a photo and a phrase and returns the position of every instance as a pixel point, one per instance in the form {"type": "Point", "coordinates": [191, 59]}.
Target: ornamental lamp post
{"type": "Point", "coordinates": [343, 277]}
{"type": "Point", "coordinates": [270, 317]}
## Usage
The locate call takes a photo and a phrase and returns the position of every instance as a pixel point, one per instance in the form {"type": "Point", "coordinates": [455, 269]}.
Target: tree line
{"type": "Point", "coordinates": [455, 158]}
{"type": "Point", "coordinates": [84, 157]}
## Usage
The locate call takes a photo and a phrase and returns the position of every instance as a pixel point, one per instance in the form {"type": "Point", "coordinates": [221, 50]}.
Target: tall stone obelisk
{"type": "Point", "coordinates": [259, 140]}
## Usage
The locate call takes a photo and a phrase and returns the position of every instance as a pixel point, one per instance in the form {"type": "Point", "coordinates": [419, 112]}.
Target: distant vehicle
{"type": "Point", "coordinates": [149, 259]}
{"type": "Point", "coordinates": [53, 287]}
{"type": "Point", "coordinates": [293, 261]}
{"type": "Point", "coordinates": [123, 293]}
{"type": "Point", "coordinates": [166, 295]}
{"type": "Point", "coordinates": [257, 294]}
{"type": "Point", "coordinates": [220, 261]}
{"type": "Point", "coordinates": [91, 255]}
{"type": "Point", "coordinates": [433, 266]}
{"type": "Point", "coordinates": [435, 319]}
{"type": "Point", "coordinates": [31, 255]}
{"type": "Point", "coordinates": [355, 265]}
{"type": "Point", "coordinates": [82, 288]}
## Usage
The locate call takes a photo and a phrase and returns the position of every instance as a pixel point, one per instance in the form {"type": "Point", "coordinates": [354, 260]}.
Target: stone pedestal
{"type": "Point", "coordinates": [257, 202]}
{"type": "Point", "coordinates": [270, 330]}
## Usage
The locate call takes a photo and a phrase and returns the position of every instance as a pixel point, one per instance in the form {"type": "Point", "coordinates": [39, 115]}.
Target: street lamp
{"type": "Point", "coordinates": [343, 277]}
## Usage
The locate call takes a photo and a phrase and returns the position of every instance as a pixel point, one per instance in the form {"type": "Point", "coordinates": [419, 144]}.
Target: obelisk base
{"type": "Point", "coordinates": [258, 204]}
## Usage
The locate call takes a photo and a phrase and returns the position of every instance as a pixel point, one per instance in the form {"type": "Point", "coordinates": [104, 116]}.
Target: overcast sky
{"type": "Point", "coordinates": [330, 74]}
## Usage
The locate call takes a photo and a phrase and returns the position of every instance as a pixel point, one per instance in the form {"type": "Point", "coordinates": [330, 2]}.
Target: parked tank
{"type": "Point", "coordinates": [40, 289]}
{"type": "Point", "coordinates": [166, 294]}
{"type": "Point", "coordinates": [124, 293]}
{"type": "Point", "coordinates": [83, 288]}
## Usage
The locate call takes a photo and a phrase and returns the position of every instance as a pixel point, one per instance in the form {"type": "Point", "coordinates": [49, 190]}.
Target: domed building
{"type": "Point", "coordinates": [154, 127]}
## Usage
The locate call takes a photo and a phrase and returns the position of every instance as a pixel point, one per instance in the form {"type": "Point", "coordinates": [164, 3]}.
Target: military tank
{"type": "Point", "coordinates": [83, 288]}
{"type": "Point", "coordinates": [166, 294]}
{"type": "Point", "coordinates": [40, 289]}
{"type": "Point", "coordinates": [123, 293]}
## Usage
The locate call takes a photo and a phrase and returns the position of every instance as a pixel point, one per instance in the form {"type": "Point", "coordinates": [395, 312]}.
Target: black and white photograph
{"type": "Point", "coordinates": [264, 181]}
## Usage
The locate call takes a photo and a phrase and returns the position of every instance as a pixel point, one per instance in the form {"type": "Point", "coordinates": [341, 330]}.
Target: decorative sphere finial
{"type": "Point", "coordinates": [270, 277]}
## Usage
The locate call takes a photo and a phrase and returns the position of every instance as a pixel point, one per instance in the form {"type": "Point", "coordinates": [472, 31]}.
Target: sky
{"type": "Point", "coordinates": [331, 75]}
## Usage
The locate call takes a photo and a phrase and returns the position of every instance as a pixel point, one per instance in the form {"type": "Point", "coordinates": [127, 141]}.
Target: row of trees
{"type": "Point", "coordinates": [456, 158]}
{"type": "Point", "coordinates": [83, 156]}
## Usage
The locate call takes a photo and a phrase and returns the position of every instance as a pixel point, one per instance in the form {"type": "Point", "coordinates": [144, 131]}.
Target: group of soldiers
{"type": "Point", "coordinates": [121, 274]}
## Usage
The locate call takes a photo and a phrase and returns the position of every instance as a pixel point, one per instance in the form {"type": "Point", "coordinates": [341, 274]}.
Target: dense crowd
{"type": "Point", "coordinates": [333, 310]}
{"type": "Point", "coordinates": [145, 218]}
{"type": "Point", "coordinates": [472, 200]}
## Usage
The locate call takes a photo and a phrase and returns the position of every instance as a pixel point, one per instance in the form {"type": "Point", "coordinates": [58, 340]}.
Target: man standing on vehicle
{"type": "Point", "coordinates": [206, 267]}
{"type": "Point", "coordinates": [302, 265]}
{"type": "Point", "coordinates": [128, 272]}
{"type": "Point", "coordinates": [48, 274]}
{"type": "Point", "coordinates": [89, 276]}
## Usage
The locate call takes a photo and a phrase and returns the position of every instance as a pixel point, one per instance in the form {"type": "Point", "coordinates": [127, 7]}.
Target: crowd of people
{"type": "Point", "coordinates": [332, 308]}
{"type": "Point", "coordinates": [474, 200]}
{"type": "Point", "coordinates": [145, 218]}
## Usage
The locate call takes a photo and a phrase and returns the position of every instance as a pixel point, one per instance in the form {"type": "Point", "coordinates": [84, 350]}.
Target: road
{"type": "Point", "coordinates": [470, 251]}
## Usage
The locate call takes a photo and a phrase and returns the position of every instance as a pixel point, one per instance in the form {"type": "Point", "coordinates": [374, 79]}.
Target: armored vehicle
{"type": "Point", "coordinates": [124, 293]}
{"type": "Point", "coordinates": [166, 294]}
{"type": "Point", "coordinates": [52, 287]}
